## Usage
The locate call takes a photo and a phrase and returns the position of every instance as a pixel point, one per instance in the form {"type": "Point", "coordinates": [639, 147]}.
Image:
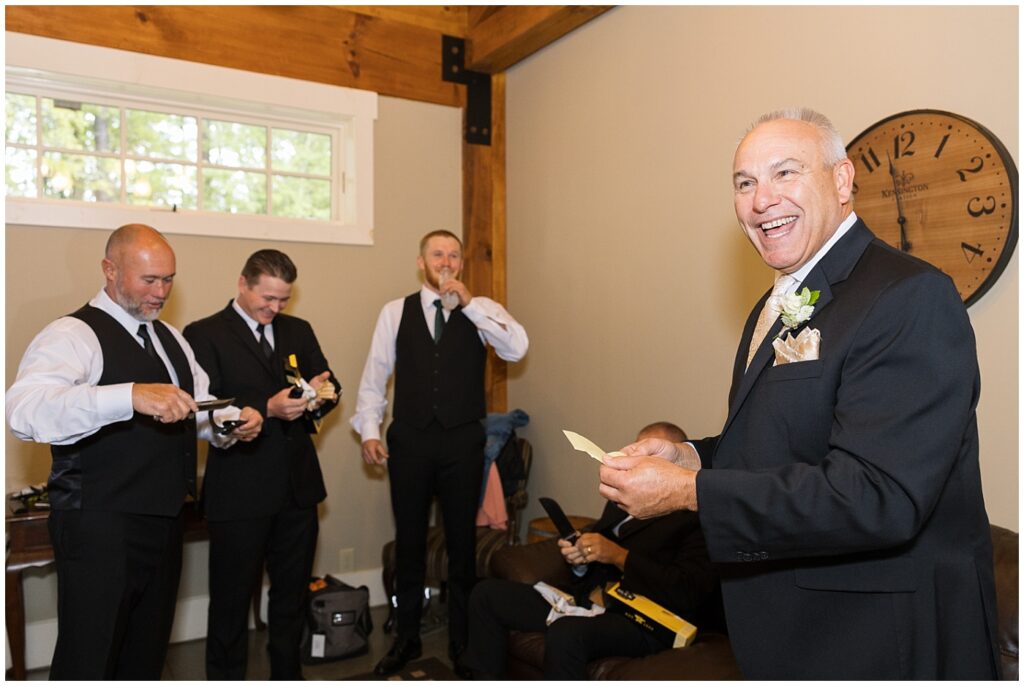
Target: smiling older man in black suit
{"type": "Point", "coordinates": [843, 495]}
{"type": "Point", "coordinates": [261, 499]}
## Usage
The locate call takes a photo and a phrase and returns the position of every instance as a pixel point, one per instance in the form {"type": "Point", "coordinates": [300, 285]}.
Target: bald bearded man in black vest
{"type": "Point", "coordinates": [113, 390]}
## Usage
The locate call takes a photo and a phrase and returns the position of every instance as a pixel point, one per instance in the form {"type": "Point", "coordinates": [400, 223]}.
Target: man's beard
{"type": "Point", "coordinates": [133, 306]}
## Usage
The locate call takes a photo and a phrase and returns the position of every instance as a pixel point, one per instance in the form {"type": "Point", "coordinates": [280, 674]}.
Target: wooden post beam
{"type": "Point", "coordinates": [483, 229]}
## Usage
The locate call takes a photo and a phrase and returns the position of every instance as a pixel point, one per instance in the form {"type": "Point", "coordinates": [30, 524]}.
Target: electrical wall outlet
{"type": "Point", "coordinates": [347, 560]}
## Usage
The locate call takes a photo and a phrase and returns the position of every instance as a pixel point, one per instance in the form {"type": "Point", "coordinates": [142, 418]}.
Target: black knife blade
{"type": "Point", "coordinates": [565, 528]}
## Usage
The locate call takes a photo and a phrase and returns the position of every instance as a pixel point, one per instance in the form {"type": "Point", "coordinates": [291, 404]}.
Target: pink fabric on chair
{"type": "Point", "coordinates": [492, 510]}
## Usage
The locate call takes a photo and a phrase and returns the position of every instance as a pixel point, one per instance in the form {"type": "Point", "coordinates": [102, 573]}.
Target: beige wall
{"type": "Point", "coordinates": [625, 261]}
{"type": "Point", "coordinates": [418, 186]}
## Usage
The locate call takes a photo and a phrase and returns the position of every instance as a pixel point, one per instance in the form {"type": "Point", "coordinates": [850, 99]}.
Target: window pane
{"type": "Point", "coordinates": [164, 185]}
{"type": "Point", "coordinates": [161, 135]}
{"type": "Point", "coordinates": [231, 144]}
{"type": "Point", "coordinates": [228, 191]}
{"type": "Point", "coordinates": [302, 198]}
{"type": "Point", "coordinates": [21, 119]}
{"type": "Point", "coordinates": [21, 173]}
{"type": "Point", "coordinates": [302, 152]}
{"type": "Point", "coordinates": [81, 126]}
{"type": "Point", "coordinates": [81, 177]}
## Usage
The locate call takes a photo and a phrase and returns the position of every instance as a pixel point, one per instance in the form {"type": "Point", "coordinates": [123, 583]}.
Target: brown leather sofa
{"type": "Point", "coordinates": [710, 657]}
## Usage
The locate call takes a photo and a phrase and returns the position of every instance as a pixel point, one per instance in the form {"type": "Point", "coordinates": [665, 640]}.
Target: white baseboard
{"type": "Point", "coordinates": [189, 618]}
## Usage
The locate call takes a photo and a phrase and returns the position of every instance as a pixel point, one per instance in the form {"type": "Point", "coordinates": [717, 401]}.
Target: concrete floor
{"type": "Point", "coordinates": [186, 661]}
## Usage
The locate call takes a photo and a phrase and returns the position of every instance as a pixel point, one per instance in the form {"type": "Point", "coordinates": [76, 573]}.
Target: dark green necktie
{"type": "Point", "coordinates": [438, 321]}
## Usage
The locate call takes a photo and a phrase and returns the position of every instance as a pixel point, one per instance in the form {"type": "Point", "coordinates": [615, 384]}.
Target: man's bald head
{"type": "Point", "coordinates": [139, 267]}
{"type": "Point", "coordinates": [132, 235]}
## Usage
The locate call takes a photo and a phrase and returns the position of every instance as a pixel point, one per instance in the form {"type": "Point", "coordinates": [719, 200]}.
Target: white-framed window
{"type": "Point", "coordinates": [96, 138]}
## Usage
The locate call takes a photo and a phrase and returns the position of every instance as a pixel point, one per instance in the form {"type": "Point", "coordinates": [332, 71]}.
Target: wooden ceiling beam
{"type": "Point", "coordinates": [313, 43]}
{"type": "Point", "coordinates": [392, 50]}
{"type": "Point", "coordinates": [500, 37]}
{"type": "Point", "coordinates": [450, 20]}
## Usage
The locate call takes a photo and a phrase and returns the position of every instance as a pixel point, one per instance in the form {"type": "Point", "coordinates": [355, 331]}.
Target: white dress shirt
{"type": "Point", "coordinates": [55, 399]}
{"type": "Point", "coordinates": [268, 329]}
{"type": "Point", "coordinates": [493, 323]}
{"type": "Point", "coordinates": [800, 274]}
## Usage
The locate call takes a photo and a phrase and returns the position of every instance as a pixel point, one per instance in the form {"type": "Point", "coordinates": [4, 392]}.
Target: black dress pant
{"type": "Point", "coordinates": [286, 541]}
{"type": "Point", "coordinates": [117, 586]}
{"type": "Point", "coordinates": [497, 606]}
{"type": "Point", "coordinates": [448, 463]}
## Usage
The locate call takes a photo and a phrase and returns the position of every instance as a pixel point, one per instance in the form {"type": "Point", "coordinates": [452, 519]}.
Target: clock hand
{"type": "Point", "coordinates": [904, 243]}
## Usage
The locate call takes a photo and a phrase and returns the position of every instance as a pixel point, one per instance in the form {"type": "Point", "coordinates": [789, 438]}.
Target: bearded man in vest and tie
{"type": "Point", "coordinates": [113, 390]}
{"type": "Point", "coordinates": [435, 342]}
{"type": "Point", "coordinates": [842, 498]}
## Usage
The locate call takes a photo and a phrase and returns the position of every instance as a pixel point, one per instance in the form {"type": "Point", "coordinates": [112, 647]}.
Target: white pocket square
{"type": "Point", "coordinates": [803, 348]}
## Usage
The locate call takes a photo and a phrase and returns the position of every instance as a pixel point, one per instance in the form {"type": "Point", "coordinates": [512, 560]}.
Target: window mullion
{"type": "Point", "coordinates": [39, 147]}
{"type": "Point", "coordinates": [200, 165]}
{"type": "Point", "coordinates": [124, 154]}
{"type": "Point", "coordinates": [269, 170]}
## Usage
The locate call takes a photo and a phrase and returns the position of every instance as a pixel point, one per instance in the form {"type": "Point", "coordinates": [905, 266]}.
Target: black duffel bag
{"type": "Point", "coordinates": [338, 622]}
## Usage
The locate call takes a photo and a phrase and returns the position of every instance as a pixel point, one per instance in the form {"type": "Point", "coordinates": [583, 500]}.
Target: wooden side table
{"type": "Point", "coordinates": [28, 545]}
{"type": "Point", "coordinates": [543, 528]}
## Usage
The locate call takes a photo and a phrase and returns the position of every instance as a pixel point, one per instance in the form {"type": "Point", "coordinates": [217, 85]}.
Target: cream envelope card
{"type": "Point", "coordinates": [584, 444]}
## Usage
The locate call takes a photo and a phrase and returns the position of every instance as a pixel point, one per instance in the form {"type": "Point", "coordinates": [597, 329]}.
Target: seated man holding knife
{"type": "Point", "coordinates": [662, 558]}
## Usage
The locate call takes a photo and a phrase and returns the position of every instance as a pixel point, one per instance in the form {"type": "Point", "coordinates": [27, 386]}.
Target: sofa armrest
{"type": "Point", "coordinates": [1007, 575]}
{"type": "Point", "coordinates": [531, 563]}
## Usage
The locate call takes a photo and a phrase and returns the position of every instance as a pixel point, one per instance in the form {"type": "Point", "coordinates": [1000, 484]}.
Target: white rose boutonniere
{"type": "Point", "coordinates": [796, 308]}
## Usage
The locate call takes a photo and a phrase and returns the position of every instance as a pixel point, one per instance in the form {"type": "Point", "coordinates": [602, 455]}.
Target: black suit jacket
{"type": "Point", "coordinates": [261, 477]}
{"type": "Point", "coordinates": [667, 562]}
{"type": "Point", "coordinates": [856, 526]}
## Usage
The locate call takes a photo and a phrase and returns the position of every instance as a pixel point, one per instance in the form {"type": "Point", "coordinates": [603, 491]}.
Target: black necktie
{"type": "Point", "coordinates": [438, 321]}
{"type": "Point", "coordinates": [268, 351]}
{"type": "Point", "coordinates": [147, 343]}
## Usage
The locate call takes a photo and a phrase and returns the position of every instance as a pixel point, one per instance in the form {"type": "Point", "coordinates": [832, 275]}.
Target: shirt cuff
{"type": "Point", "coordinates": [473, 310]}
{"type": "Point", "coordinates": [114, 402]}
{"type": "Point", "coordinates": [367, 430]}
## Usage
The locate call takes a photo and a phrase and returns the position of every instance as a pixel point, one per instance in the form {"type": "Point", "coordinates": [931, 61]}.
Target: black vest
{"type": "Point", "coordinates": [444, 380]}
{"type": "Point", "coordinates": [138, 466]}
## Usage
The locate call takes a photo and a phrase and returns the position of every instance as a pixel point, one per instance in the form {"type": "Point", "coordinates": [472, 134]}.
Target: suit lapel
{"type": "Point", "coordinates": [834, 267]}
{"type": "Point", "coordinates": [610, 516]}
{"type": "Point", "coordinates": [633, 526]}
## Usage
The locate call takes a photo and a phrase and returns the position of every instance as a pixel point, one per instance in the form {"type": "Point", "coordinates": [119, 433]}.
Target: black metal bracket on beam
{"type": "Point", "coordinates": [478, 89]}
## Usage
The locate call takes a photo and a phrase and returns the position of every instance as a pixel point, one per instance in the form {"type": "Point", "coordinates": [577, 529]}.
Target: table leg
{"type": "Point", "coordinates": [16, 624]}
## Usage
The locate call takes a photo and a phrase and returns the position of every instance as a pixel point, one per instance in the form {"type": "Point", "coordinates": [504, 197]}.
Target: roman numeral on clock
{"type": "Point", "coordinates": [868, 163]}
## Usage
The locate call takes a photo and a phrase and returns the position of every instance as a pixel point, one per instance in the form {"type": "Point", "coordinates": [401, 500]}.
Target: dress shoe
{"type": "Point", "coordinates": [402, 651]}
{"type": "Point", "coordinates": [455, 651]}
{"type": "Point", "coordinates": [464, 672]}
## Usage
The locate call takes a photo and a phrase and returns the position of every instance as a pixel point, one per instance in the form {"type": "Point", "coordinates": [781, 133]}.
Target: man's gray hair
{"type": "Point", "coordinates": [832, 142]}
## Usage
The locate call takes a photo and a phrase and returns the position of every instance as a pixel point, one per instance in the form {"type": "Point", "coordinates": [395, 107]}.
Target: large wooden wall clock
{"type": "Point", "coordinates": [943, 188]}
